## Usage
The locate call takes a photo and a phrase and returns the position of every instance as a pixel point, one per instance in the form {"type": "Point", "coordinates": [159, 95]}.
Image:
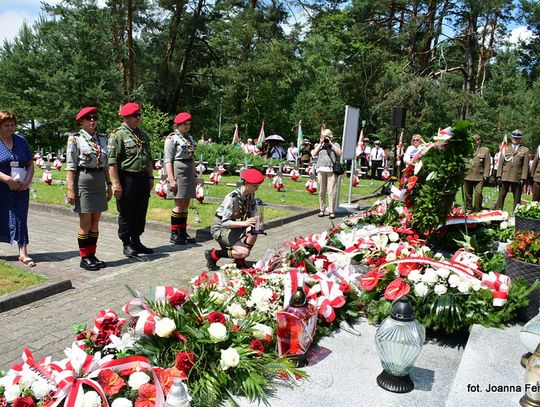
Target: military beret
{"type": "Point", "coordinates": [85, 111]}
{"type": "Point", "coordinates": [517, 133]}
{"type": "Point", "coordinates": [182, 117]}
{"type": "Point", "coordinates": [128, 109]}
{"type": "Point", "coordinates": [253, 176]}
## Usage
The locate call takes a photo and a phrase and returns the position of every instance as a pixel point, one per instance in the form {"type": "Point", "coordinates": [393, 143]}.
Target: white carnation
{"type": "Point", "coordinates": [260, 298]}
{"type": "Point", "coordinates": [440, 289]}
{"type": "Point", "coordinates": [217, 331]}
{"type": "Point", "coordinates": [476, 284]}
{"type": "Point", "coordinates": [503, 225]}
{"type": "Point", "coordinates": [421, 290]}
{"type": "Point", "coordinates": [137, 379]}
{"type": "Point", "coordinates": [40, 388]}
{"type": "Point", "coordinates": [121, 402]}
{"type": "Point", "coordinates": [430, 276]}
{"type": "Point", "coordinates": [414, 275]}
{"type": "Point", "coordinates": [463, 287]}
{"type": "Point", "coordinates": [391, 256]}
{"type": "Point", "coordinates": [91, 399]}
{"type": "Point", "coordinates": [12, 392]}
{"type": "Point", "coordinates": [393, 236]}
{"type": "Point", "coordinates": [235, 310]}
{"type": "Point", "coordinates": [165, 327]}
{"type": "Point", "coordinates": [454, 280]}
{"type": "Point", "coordinates": [229, 358]}
{"type": "Point", "coordinates": [443, 272]}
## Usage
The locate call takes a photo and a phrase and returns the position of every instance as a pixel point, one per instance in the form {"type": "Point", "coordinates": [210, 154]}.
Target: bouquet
{"type": "Point", "coordinates": [529, 210]}
{"type": "Point", "coordinates": [525, 247]}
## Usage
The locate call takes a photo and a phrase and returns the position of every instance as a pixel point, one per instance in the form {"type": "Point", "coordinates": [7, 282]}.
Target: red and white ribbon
{"type": "Point", "coordinates": [326, 296]}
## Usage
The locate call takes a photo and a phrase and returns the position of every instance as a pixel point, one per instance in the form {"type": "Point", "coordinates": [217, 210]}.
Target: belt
{"type": "Point", "coordinates": [87, 169]}
{"type": "Point", "coordinates": [134, 174]}
{"type": "Point", "coordinates": [185, 160]}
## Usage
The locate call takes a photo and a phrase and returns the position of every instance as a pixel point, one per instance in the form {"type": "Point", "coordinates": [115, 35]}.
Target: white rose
{"type": "Point", "coordinates": [121, 402]}
{"type": "Point", "coordinates": [391, 256]}
{"type": "Point", "coordinates": [319, 264]}
{"type": "Point", "coordinates": [12, 392]}
{"type": "Point", "coordinates": [453, 280]}
{"type": "Point", "coordinates": [217, 331]}
{"type": "Point", "coordinates": [165, 327]}
{"type": "Point", "coordinates": [393, 236]}
{"type": "Point", "coordinates": [503, 225]}
{"type": "Point", "coordinates": [440, 289]}
{"type": "Point", "coordinates": [463, 287]}
{"type": "Point", "coordinates": [40, 388]}
{"type": "Point", "coordinates": [137, 379]}
{"type": "Point", "coordinates": [261, 331]}
{"type": "Point", "coordinates": [511, 222]}
{"type": "Point", "coordinates": [443, 272]}
{"type": "Point", "coordinates": [229, 358]}
{"type": "Point", "coordinates": [27, 379]}
{"type": "Point", "coordinates": [217, 297]}
{"type": "Point", "coordinates": [420, 289]}
{"type": "Point", "coordinates": [91, 399]}
{"type": "Point", "coordinates": [414, 275]}
{"type": "Point", "coordinates": [236, 311]}
{"type": "Point", "coordinates": [430, 276]}
{"type": "Point", "coordinates": [476, 284]}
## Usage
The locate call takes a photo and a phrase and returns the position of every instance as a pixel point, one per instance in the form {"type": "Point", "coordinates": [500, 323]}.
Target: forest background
{"type": "Point", "coordinates": [245, 62]}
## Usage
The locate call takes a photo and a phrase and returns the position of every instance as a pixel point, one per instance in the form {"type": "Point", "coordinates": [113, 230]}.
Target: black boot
{"type": "Point", "coordinates": [129, 251]}
{"type": "Point", "coordinates": [140, 248]}
{"type": "Point", "coordinates": [88, 263]}
{"type": "Point", "coordinates": [176, 239]}
{"type": "Point", "coordinates": [100, 264]}
{"type": "Point", "coordinates": [210, 262]}
{"type": "Point", "coordinates": [182, 234]}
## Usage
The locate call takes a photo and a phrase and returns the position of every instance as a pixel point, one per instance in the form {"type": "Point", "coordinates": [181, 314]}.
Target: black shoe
{"type": "Point", "coordinates": [210, 262]}
{"type": "Point", "coordinates": [88, 263]}
{"type": "Point", "coordinates": [129, 251]}
{"type": "Point", "coordinates": [186, 238]}
{"type": "Point", "coordinates": [141, 249]}
{"type": "Point", "coordinates": [178, 240]}
{"type": "Point", "coordinates": [101, 264]}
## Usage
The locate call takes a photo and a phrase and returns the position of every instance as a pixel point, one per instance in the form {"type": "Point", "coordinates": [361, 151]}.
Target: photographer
{"type": "Point", "coordinates": [327, 153]}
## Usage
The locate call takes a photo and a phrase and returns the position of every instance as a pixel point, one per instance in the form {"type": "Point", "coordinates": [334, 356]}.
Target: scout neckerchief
{"type": "Point", "coordinates": [187, 141]}
{"type": "Point", "coordinates": [136, 132]}
{"type": "Point", "coordinates": [94, 144]}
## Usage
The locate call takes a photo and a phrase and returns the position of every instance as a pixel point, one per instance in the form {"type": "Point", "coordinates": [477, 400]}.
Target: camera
{"type": "Point", "coordinates": [326, 140]}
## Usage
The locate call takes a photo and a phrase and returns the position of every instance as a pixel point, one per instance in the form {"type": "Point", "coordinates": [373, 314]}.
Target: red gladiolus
{"type": "Point", "coordinates": [369, 280]}
{"type": "Point", "coordinates": [216, 317]}
{"type": "Point", "coordinates": [185, 361]}
{"type": "Point", "coordinates": [257, 346]}
{"type": "Point", "coordinates": [110, 381]}
{"type": "Point", "coordinates": [24, 402]}
{"type": "Point", "coordinates": [396, 289]}
{"type": "Point", "coordinates": [147, 396]}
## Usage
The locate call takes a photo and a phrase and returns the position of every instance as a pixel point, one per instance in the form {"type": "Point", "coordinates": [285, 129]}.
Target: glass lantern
{"type": "Point", "coordinates": [258, 214]}
{"type": "Point", "coordinates": [399, 340]}
{"type": "Point", "coordinates": [531, 398]}
{"type": "Point", "coordinates": [178, 395]}
{"type": "Point", "coordinates": [530, 337]}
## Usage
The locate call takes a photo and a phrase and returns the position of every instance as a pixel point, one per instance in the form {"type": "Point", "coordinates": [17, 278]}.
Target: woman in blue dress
{"type": "Point", "coordinates": [16, 173]}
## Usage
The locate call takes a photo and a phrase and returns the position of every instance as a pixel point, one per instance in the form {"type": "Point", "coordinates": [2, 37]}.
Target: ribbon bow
{"type": "Point", "coordinates": [326, 296]}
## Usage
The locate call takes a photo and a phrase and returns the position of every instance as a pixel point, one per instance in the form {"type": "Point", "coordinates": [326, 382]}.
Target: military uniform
{"type": "Point", "coordinates": [535, 174]}
{"type": "Point", "coordinates": [474, 180]}
{"type": "Point", "coordinates": [513, 170]}
{"type": "Point", "coordinates": [235, 207]}
{"type": "Point", "coordinates": [129, 149]}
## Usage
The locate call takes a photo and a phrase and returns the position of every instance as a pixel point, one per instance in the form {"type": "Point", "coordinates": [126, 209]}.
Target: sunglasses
{"type": "Point", "coordinates": [92, 118]}
{"type": "Point", "coordinates": [135, 115]}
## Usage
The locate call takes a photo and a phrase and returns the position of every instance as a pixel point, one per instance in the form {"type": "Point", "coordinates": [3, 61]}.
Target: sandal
{"type": "Point", "coordinates": [321, 214]}
{"type": "Point", "coordinates": [332, 216]}
{"type": "Point", "coordinates": [28, 262]}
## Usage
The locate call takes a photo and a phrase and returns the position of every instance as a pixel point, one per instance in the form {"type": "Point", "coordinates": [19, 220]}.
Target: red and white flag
{"type": "Point", "coordinates": [235, 138]}
{"type": "Point", "coordinates": [504, 143]}
{"type": "Point", "coordinates": [360, 147]}
{"type": "Point", "coordinates": [261, 137]}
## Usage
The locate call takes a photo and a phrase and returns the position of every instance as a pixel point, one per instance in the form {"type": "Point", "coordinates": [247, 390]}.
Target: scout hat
{"type": "Point", "coordinates": [85, 111]}
{"type": "Point", "coordinates": [128, 109]}
{"type": "Point", "coordinates": [253, 176]}
{"type": "Point", "coordinates": [182, 117]}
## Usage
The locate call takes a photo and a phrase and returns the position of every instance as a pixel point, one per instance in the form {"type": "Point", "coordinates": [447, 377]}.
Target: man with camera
{"type": "Point", "coordinates": [513, 170]}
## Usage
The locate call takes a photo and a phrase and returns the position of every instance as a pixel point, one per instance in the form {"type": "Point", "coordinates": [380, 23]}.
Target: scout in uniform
{"type": "Point", "coordinates": [477, 176]}
{"type": "Point", "coordinates": [513, 170]}
{"type": "Point", "coordinates": [535, 174]}
{"type": "Point", "coordinates": [179, 152]}
{"type": "Point", "coordinates": [233, 222]}
{"type": "Point", "coordinates": [88, 183]}
{"type": "Point", "coordinates": [131, 172]}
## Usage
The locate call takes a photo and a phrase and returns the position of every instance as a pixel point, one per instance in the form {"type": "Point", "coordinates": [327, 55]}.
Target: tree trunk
{"type": "Point", "coordinates": [131, 53]}
{"type": "Point", "coordinates": [470, 50]}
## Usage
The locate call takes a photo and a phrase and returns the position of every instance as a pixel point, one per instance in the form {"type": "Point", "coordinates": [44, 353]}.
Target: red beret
{"type": "Point", "coordinates": [85, 111]}
{"type": "Point", "coordinates": [128, 109]}
{"type": "Point", "coordinates": [182, 117]}
{"type": "Point", "coordinates": [253, 176]}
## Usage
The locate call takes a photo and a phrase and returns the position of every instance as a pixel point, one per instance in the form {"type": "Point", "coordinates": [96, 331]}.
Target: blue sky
{"type": "Point", "coordinates": [14, 12]}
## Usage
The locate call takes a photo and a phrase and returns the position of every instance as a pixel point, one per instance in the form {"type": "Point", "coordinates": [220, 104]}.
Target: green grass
{"type": "Point", "coordinates": [14, 279]}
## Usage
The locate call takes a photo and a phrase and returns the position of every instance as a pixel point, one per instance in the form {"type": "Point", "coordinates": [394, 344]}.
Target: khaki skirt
{"type": "Point", "coordinates": [226, 237]}
{"type": "Point", "coordinates": [91, 193]}
{"type": "Point", "coordinates": [184, 174]}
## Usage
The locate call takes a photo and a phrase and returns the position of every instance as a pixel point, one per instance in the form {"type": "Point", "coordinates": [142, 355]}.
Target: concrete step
{"type": "Point", "coordinates": [489, 373]}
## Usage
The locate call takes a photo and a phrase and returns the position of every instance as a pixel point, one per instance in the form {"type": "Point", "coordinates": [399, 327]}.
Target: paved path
{"type": "Point", "coordinates": [45, 326]}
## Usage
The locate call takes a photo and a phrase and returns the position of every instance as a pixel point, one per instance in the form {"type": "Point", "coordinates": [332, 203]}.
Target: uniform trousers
{"type": "Point", "coordinates": [506, 187]}
{"type": "Point", "coordinates": [476, 188]}
{"type": "Point", "coordinates": [536, 191]}
{"type": "Point", "coordinates": [132, 205]}
{"type": "Point", "coordinates": [375, 164]}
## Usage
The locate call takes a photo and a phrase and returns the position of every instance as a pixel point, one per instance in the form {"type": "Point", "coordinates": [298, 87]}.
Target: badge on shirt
{"type": "Point", "coordinates": [14, 164]}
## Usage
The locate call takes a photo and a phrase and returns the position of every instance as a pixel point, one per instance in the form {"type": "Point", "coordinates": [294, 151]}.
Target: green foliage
{"type": "Point", "coordinates": [529, 210]}
{"type": "Point", "coordinates": [233, 156]}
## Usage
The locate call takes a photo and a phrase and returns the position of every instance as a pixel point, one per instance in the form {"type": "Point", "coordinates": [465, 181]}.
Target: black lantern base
{"type": "Point", "coordinates": [525, 358]}
{"type": "Point", "coordinates": [395, 384]}
{"type": "Point", "coordinates": [526, 401]}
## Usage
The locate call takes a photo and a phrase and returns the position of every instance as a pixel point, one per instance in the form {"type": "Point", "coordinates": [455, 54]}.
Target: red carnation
{"type": "Point", "coordinates": [345, 288]}
{"type": "Point", "coordinates": [216, 317]}
{"type": "Point", "coordinates": [241, 292]}
{"type": "Point", "coordinates": [24, 402]}
{"type": "Point", "coordinates": [396, 289]}
{"type": "Point", "coordinates": [110, 381]}
{"type": "Point", "coordinates": [257, 346]}
{"type": "Point", "coordinates": [185, 361]}
{"type": "Point", "coordinates": [369, 280]}
{"type": "Point", "coordinates": [178, 298]}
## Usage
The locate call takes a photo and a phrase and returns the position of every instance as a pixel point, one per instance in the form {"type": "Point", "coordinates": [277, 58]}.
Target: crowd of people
{"type": "Point", "coordinates": [120, 165]}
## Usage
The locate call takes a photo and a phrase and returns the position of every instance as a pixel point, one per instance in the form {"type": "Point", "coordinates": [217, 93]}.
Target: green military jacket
{"type": "Point", "coordinates": [513, 164]}
{"type": "Point", "coordinates": [535, 168]}
{"type": "Point", "coordinates": [129, 149]}
{"type": "Point", "coordinates": [480, 165]}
